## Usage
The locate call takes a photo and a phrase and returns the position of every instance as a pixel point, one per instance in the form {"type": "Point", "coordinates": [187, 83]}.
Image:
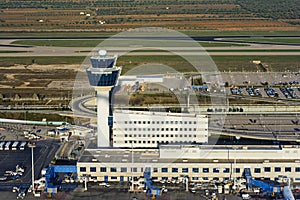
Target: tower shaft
{"type": "Point", "coordinates": [103, 136]}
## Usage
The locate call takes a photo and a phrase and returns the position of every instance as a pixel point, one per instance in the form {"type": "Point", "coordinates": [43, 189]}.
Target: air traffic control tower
{"type": "Point", "coordinates": [103, 76]}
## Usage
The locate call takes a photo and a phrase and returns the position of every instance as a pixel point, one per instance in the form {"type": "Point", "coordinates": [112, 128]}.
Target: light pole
{"type": "Point", "coordinates": [32, 166]}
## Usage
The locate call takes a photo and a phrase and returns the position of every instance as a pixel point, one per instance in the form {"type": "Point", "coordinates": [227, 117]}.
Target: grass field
{"type": "Point", "coordinates": [94, 43]}
{"type": "Point", "coordinates": [7, 51]}
{"type": "Point", "coordinates": [224, 63]}
{"type": "Point", "coordinates": [59, 43]}
{"type": "Point", "coordinates": [270, 40]}
{"type": "Point", "coordinates": [187, 32]}
{"type": "Point", "coordinates": [42, 60]}
{"type": "Point", "coordinates": [241, 33]}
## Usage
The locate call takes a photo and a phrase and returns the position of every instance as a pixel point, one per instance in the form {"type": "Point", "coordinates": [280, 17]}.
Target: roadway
{"type": "Point", "coordinates": [279, 126]}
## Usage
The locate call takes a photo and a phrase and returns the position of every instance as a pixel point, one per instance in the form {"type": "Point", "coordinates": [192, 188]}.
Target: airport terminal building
{"type": "Point", "coordinates": [200, 163]}
{"type": "Point", "coordinates": [172, 145]}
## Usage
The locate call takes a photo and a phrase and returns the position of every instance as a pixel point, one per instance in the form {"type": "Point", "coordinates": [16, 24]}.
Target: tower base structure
{"type": "Point", "coordinates": [103, 114]}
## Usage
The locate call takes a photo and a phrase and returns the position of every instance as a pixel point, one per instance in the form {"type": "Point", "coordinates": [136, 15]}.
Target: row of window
{"type": "Point", "coordinates": [160, 122]}
{"type": "Point", "coordinates": [160, 135]}
{"type": "Point", "coordinates": [153, 142]}
{"type": "Point", "coordinates": [155, 178]}
{"type": "Point", "coordinates": [186, 170]}
{"type": "Point", "coordinates": [161, 129]}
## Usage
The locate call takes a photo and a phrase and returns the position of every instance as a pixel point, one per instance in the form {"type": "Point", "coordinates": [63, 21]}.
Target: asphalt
{"type": "Point", "coordinates": [5, 45]}
{"type": "Point", "coordinates": [44, 152]}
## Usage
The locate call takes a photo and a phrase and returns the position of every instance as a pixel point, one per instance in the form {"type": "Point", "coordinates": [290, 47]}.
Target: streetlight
{"type": "Point", "coordinates": [32, 145]}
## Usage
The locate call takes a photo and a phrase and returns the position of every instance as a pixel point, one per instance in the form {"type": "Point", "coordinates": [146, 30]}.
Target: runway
{"type": "Point", "coordinates": [254, 48]}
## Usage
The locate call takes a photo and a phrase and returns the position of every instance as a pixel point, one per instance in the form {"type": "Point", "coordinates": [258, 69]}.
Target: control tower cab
{"type": "Point", "coordinates": [103, 76]}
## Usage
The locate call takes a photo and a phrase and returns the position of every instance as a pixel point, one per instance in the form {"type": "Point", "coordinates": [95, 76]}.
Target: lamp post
{"type": "Point", "coordinates": [32, 166]}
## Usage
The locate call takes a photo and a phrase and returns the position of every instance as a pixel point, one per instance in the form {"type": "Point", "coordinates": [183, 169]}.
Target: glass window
{"type": "Point", "coordinates": [102, 169]}
{"type": "Point", "coordinates": [125, 122]}
{"type": "Point", "coordinates": [114, 178]}
{"type": "Point", "coordinates": [297, 169]}
{"type": "Point", "coordinates": [195, 178]}
{"type": "Point", "coordinates": [123, 169]}
{"type": "Point", "coordinates": [174, 170]}
{"type": "Point", "coordinates": [257, 170]}
{"type": "Point", "coordinates": [288, 169]}
{"type": "Point", "coordinates": [113, 169]}
{"type": "Point", "coordinates": [277, 169]}
{"type": "Point", "coordinates": [237, 170]}
{"type": "Point", "coordinates": [82, 169]}
{"type": "Point", "coordinates": [267, 169]}
{"type": "Point", "coordinates": [216, 170]}
{"type": "Point", "coordinates": [205, 170]}
{"type": "Point", "coordinates": [133, 169]}
{"type": "Point", "coordinates": [205, 178]}
{"type": "Point", "coordinates": [155, 169]}
{"type": "Point", "coordinates": [196, 170]}
{"type": "Point", "coordinates": [226, 170]}
{"type": "Point", "coordinates": [92, 169]}
{"type": "Point", "coordinates": [164, 170]}
{"type": "Point", "coordinates": [185, 170]}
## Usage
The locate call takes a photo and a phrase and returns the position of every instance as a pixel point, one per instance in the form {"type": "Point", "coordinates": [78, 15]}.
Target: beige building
{"type": "Point", "coordinates": [198, 163]}
{"type": "Point", "coordinates": [150, 129]}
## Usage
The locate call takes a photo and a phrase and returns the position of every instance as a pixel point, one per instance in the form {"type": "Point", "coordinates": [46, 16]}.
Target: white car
{"type": "Point", "coordinates": [246, 196]}
{"type": "Point", "coordinates": [104, 184]}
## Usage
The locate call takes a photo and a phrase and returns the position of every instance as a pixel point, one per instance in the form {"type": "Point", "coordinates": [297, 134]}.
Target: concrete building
{"type": "Point", "coordinates": [198, 163]}
{"type": "Point", "coordinates": [150, 129]}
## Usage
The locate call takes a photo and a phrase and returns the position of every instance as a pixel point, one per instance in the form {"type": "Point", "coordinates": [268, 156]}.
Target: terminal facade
{"type": "Point", "coordinates": [198, 163]}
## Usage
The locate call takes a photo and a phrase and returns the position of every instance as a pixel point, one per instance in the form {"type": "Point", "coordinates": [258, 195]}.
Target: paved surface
{"type": "Point", "coordinates": [43, 154]}
{"type": "Point", "coordinates": [81, 51]}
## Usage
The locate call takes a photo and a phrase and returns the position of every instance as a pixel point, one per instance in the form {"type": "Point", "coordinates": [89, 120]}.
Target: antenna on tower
{"type": "Point", "coordinates": [102, 53]}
